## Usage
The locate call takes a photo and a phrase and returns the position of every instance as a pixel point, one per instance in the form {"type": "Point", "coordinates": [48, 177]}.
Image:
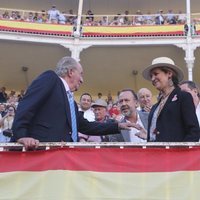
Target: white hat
{"type": "Point", "coordinates": [100, 102]}
{"type": "Point", "coordinates": [162, 62]}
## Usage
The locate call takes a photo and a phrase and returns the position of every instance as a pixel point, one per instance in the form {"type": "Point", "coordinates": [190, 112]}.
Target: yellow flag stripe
{"type": "Point", "coordinates": [134, 29]}
{"type": "Point", "coordinates": [60, 184]}
{"type": "Point", "coordinates": [35, 26]}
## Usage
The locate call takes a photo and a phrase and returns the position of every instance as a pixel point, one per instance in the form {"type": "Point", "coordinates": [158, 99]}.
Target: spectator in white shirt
{"type": "Point", "coordinates": [85, 106]}
{"type": "Point", "coordinates": [53, 14]}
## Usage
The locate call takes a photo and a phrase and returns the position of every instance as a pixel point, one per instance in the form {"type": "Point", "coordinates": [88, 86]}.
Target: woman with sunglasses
{"type": "Point", "coordinates": [6, 124]}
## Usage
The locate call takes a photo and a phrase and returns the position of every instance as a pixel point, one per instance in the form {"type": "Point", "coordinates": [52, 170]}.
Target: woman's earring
{"type": "Point", "coordinates": [170, 82]}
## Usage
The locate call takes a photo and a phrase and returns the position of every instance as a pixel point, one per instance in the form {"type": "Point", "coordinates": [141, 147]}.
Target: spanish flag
{"type": "Point", "coordinates": [105, 173]}
{"type": "Point", "coordinates": [97, 31]}
{"type": "Point", "coordinates": [139, 30]}
{"type": "Point", "coordinates": [35, 28]}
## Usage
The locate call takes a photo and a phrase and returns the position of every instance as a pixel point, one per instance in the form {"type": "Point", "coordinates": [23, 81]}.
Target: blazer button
{"type": "Point", "coordinates": [158, 132]}
{"type": "Point", "coordinates": [70, 133]}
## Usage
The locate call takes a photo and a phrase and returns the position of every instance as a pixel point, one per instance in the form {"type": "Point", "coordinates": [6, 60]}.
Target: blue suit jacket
{"type": "Point", "coordinates": [177, 121]}
{"type": "Point", "coordinates": [44, 113]}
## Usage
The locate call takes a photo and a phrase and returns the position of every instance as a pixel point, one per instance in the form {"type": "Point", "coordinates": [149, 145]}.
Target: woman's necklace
{"type": "Point", "coordinates": [164, 99]}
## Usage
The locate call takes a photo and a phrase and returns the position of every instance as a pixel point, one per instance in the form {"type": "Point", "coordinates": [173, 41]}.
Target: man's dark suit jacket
{"type": "Point", "coordinates": [177, 121]}
{"type": "Point", "coordinates": [44, 113]}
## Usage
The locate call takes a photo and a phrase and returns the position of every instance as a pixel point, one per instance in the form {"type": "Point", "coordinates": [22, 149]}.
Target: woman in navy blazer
{"type": "Point", "coordinates": [173, 118]}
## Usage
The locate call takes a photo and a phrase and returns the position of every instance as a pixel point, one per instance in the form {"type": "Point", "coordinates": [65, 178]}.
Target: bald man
{"type": "Point", "coordinates": [145, 99]}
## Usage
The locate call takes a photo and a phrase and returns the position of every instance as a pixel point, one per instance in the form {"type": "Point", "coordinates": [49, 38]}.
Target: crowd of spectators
{"type": "Point", "coordinates": [52, 15]}
{"type": "Point", "coordinates": [8, 105]}
{"type": "Point", "coordinates": [102, 109]}
{"type": "Point", "coordinates": [7, 114]}
{"type": "Point", "coordinates": [55, 16]}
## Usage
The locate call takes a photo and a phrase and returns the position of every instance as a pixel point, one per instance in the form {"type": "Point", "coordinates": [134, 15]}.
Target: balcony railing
{"type": "Point", "coordinates": [121, 145]}
{"type": "Point", "coordinates": [151, 25]}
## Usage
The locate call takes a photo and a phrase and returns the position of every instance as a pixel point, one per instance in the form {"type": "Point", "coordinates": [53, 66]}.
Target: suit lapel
{"type": "Point", "coordinates": [144, 118]}
{"type": "Point", "coordinates": [169, 101]}
{"type": "Point", "coordinates": [151, 113]}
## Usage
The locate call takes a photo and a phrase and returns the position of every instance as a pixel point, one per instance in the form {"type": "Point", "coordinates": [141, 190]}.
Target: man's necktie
{"type": "Point", "coordinates": [73, 116]}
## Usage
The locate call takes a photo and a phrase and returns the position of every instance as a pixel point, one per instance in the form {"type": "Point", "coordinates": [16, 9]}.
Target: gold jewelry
{"type": "Point", "coordinates": [163, 100]}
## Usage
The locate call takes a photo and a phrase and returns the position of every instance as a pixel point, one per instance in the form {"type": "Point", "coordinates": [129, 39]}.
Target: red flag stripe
{"type": "Point", "coordinates": [103, 160]}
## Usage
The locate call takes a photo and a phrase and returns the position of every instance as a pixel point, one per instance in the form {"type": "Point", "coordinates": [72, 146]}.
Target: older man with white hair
{"type": "Point", "coordinates": [101, 115]}
{"type": "Point", "coordinates": [48, 112]}
{"type": "Point", "coordinates": [144, 99]}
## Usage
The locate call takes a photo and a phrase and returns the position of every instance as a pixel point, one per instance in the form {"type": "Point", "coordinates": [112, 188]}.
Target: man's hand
{"type": "Point", "coordinates": [142, 133]}
{"type": "Point", "coordinates": [128, 125]}
{"type": "Point", "coordinates": [29, 143]}
{"type": "Point", "coordinates": [147, 108]}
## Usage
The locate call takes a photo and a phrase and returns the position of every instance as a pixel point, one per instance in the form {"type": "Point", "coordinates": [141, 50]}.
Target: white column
{"type": "Point", "coordinates": [77, 33]}
{"type": "Point", "coordinates": [75, 49]}
{"type": "Point", "coordinates": [189, 58]}
{"type": "Point", "coordinates": [189, 49]}
{"type": "Point", "coordinates": [75, 52]}
{"type": "Point", "coordinates": [190, 65]}
{"type": "Point", "coordinates": [188, 14]}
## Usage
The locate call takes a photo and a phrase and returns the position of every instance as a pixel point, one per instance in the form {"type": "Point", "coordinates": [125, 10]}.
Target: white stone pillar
{"type": "Point", "coordinates": [189, 49]}
{"type": "Point", "coordinates": [77, 33]}
{"type": "Point", "coordinates": [190, 65]}
{"type": "Point", "coordinates": [188, 14]}
{"type": "Point", "coordinates": [75, 50]}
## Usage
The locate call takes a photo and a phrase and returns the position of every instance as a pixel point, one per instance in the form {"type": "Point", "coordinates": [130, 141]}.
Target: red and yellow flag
{"type": "Point", "coordinates": [37, 28]}
{"type": "Point", "coordinates": [100, 31]}
{"type": "Point", "coordinates": [101, 174]}
{"type": "Point", "coordinates": [139, 30]}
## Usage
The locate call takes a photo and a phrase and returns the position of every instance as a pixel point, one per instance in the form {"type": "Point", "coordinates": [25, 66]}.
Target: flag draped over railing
{"type": "Point", "coordinates": [140, 30]}
{"type": "Point", "coordinates": [36, 28]}
{"type": "Point", "coordinates": [92, 31]}
{"type": "Point", "coordinates": [152, 173]}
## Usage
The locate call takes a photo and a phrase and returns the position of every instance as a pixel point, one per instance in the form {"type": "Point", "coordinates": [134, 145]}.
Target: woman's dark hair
{"type": "Point", "coordinates": [11, 106]}
{"type": "Point", "coordinates": [174, 75]}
